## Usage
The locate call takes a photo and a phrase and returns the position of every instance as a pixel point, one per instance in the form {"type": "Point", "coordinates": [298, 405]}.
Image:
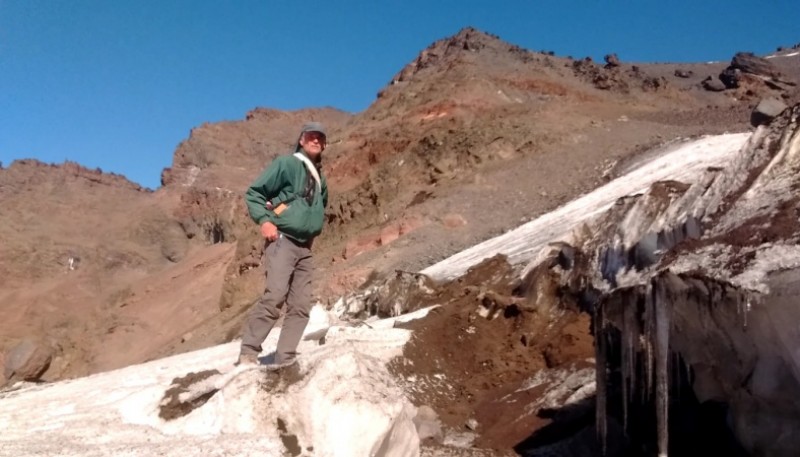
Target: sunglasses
{"type": "Point", "coordinates": [315, 136]}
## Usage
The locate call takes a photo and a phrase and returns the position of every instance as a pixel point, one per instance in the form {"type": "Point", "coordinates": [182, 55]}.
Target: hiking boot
{"type": "Point", "coordinates": [281, 376]}
{"type": "Point", "coordinates": [247, 359]}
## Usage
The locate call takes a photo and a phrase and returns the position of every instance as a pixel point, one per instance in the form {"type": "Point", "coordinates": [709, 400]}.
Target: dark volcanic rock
{"type": "Point", "coordinates": [731, 77]}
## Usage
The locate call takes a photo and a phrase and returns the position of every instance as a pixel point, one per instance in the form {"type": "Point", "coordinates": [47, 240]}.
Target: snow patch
{"type": "Point", "coordinates": [346, 403]}
{"type": "Point", "coordinates": [791, 54]}
{"type": "Point", "coordinates": [681, 162]}
{"type": "Point", "coordinates": [774, 258]}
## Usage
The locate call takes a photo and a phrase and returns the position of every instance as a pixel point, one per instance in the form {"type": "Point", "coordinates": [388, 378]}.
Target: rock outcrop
{"type": "Point", "coordinates": [613, 77]}
{"type": "Point", "coordinates": [747, 62]}
{"type": "Point", "coordinates": [749, 69]}
{"type": "Point", "coordinates": [612, 60]}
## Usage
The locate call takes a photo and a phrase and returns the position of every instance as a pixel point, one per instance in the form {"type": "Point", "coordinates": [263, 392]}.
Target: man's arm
{"type": "Point", "coordinates": [263, 189]}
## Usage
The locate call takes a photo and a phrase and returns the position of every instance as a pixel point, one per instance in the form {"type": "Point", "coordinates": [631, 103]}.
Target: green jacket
{"type": "Point", "coordinates": [284, 181]}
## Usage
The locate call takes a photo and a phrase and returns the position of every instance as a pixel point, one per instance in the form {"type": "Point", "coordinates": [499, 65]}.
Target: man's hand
{"type": "Point", "coordinates": [269, 231]}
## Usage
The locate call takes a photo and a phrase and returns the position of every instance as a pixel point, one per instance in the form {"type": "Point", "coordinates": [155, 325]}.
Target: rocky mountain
{"type": "Point", "coordinates": [472, 138]}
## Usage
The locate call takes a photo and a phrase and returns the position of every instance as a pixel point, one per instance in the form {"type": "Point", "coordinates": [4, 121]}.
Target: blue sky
{"type": "Point", "coordinates": [118, 84]}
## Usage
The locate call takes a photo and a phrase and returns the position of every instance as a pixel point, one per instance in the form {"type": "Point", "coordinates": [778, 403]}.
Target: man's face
{"type": "Point", "coordinates": [313, 143]}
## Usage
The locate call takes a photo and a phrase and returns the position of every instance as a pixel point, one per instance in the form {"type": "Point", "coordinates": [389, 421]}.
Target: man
{"type": "Point", "coordinates": [288, 202]}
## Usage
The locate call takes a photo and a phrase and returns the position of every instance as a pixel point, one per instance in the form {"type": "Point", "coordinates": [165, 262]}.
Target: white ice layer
{"type": "Point", "coordinates": [683, 162]}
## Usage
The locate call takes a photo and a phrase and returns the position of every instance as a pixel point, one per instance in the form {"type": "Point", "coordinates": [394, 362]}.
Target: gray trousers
{"type": "Point", "coordinates": [289, 267]}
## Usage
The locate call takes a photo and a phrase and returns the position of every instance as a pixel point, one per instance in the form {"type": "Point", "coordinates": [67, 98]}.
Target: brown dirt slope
{"type": "Point", "coordinates": [481, 346]}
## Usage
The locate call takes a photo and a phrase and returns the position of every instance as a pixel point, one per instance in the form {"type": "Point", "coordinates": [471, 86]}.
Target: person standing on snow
{"type": "Point", "coordinates": [288, 202]}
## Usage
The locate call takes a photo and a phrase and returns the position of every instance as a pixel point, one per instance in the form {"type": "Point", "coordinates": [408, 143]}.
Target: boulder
{"type": "Point", "coordinates": [683, 73]}
{"type": "Point", "coordinates": [713, 85]}
{"type": "Point", "coordinates": [750, 63]}
{"type": "Point", "coordinates": [731, 77]}
{"type": "Point", "coordinates": [766, 110]}
{"type": "Point", "coordinates": [612, 61]}
{"type": "Point", "coordinates": [27, 361]}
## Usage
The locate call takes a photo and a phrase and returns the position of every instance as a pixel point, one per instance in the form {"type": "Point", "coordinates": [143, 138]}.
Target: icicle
{"type": "Point", "coordinates": [739, 308]}
{"type": "Point", "coordinates": [743, 307]}
{"type": "Point", "coordinates": [649, 330]}
{"type": "Point", "coordinates": [625, 354]}
{"type": "Point", "coordinates": [600, 348]}
{"type": "Point", "coordinates": [661, 343]}
{"type": "Point", "coordinates": [630, 335]}
{"type": "Point", "coordinates": [747, 308]}
{"type": "Point", "coordinates": [688, 369]}
{"type": "Point", "coordinates": [675, 369]}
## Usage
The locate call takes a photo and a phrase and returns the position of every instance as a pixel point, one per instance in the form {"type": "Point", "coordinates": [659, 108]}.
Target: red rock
{"type": "Point", "coordinates": [389, 233]}
{"type": "Point", "coordinates": [409, 224]}
{"type": "Point", "coordinates": [360, 244]}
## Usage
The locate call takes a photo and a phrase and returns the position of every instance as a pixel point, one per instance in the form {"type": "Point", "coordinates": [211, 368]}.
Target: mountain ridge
{"type": "Point", "coordinates": [471, 138]}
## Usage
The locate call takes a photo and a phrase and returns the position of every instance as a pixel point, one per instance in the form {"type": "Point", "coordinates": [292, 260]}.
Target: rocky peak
{"type": "Point", "coordinates": [468, 40]}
